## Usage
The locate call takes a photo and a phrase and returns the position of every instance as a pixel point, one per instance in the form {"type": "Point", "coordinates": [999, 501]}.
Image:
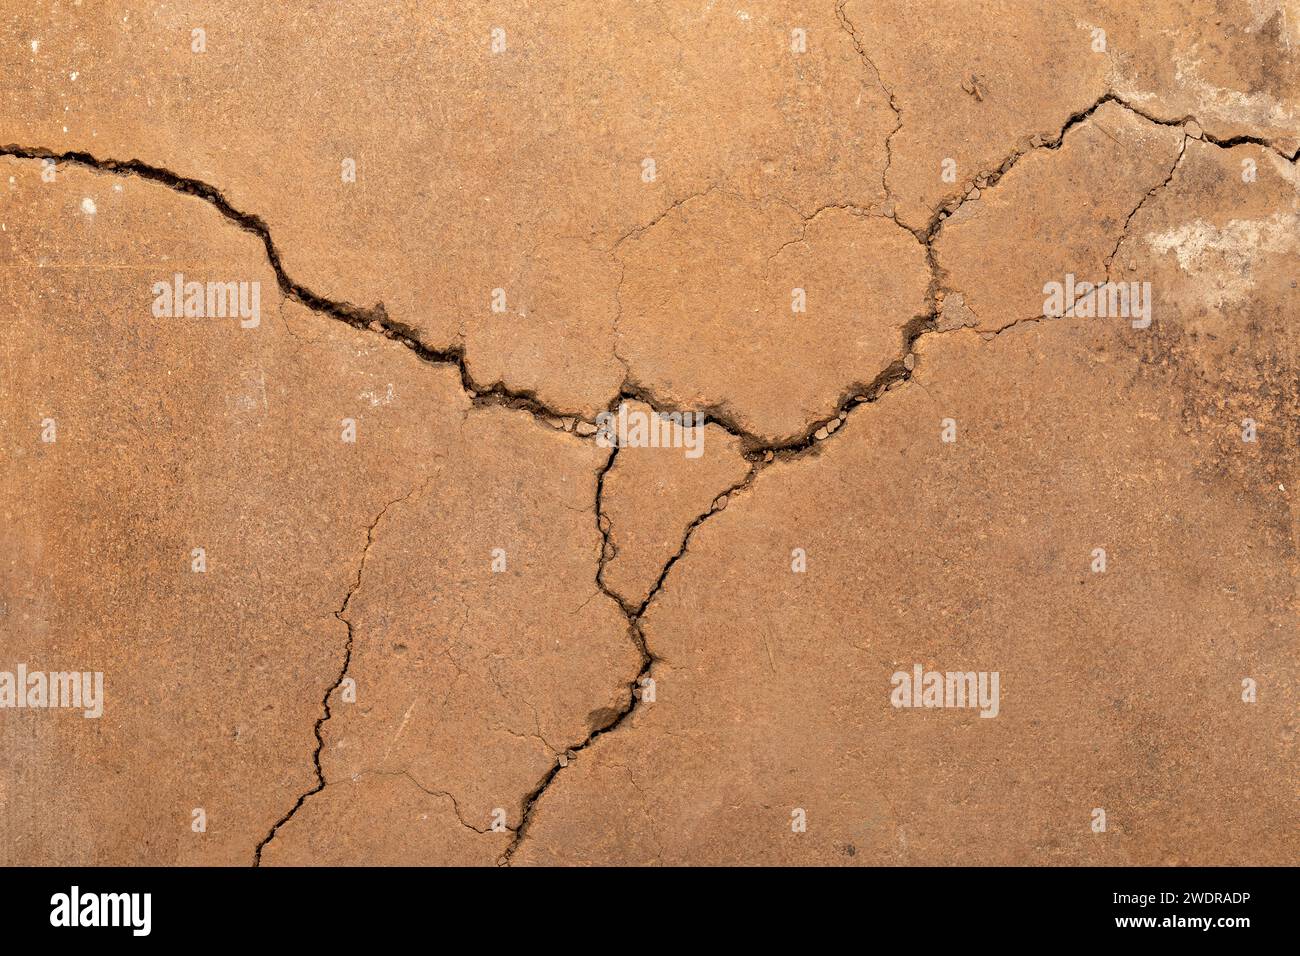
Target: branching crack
{"type": "Point", "coordinates": [761, 457]}
{"type": "Point", "coordinates": [989, 178]}
{"type": "Point", "coordinates": [633, 614]}
{"type": "Point", "coordinates": [759, 453]}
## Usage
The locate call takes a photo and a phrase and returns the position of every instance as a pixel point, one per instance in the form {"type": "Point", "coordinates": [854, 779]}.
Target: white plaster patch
{"type": "Point", "coordinates": [1223, 257]}
{"type": "Point", "coordinates": [385, 399]}
{"type": "Point", "coordinates": [1230, 106]}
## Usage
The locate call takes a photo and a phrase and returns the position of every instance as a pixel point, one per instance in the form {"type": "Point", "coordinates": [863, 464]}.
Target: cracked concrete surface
{"type": "Point", "coordinates": [474, 633]}
{"type": "Point", "coordinates": [1053, 213]}
{"type": "Point", "coordinates": [651, 495]}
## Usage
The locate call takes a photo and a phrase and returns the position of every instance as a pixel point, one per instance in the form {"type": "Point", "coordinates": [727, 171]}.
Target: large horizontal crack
{"type": "Point", "coordinates": [375, 319]}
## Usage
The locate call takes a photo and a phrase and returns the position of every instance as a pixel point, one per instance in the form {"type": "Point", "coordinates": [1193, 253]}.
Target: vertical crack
{"type": "Point", "coordinates": [633, 614]}
{"type": "Point", "coordinates": [1123, 234]}
{"type": "Point", "coordinates": [847, 26]}
{"type": "Point", "coordinates": [343, 673]}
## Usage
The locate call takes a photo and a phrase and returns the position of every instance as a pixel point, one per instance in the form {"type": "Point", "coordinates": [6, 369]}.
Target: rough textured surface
{"type": "Point", "coordinates": [440, 621]}
{"type": "Point", "coordinates": [469, 681]}
{"type": "Point", "coordinates": [178, 433]}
